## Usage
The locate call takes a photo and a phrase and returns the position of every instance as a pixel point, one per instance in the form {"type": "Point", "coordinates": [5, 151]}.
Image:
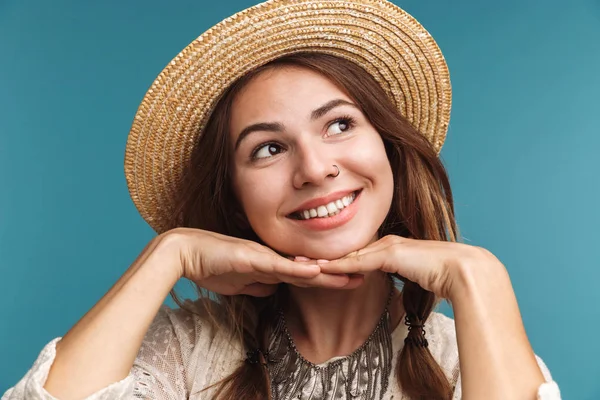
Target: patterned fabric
{"type": "Point", "coordinates": [363, 375]}
{"type": "Point", "coordinates": [182, 354]}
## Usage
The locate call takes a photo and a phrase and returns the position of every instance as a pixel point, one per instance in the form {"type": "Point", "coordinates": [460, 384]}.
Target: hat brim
{"type": "Point", "coordinates": [375, 34]}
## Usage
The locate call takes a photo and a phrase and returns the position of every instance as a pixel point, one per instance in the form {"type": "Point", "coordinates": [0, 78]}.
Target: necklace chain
{"type": "Point", "coordinates": [385, 315]}
{"type": "Point", "coordinates": [355, 375]}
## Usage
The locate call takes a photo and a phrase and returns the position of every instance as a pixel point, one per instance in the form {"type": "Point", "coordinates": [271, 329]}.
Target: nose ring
{"type": "Point", "coordinates": [338, 171]}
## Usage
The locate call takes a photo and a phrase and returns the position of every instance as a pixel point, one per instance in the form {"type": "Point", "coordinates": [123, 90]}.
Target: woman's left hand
{"type": "Point", "coordinates": [492, 344]}
{"type": "Point", "coordinates": [437, 266]}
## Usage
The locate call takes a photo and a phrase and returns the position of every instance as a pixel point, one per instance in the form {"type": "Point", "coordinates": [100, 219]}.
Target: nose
{"type": "Point", "coordinates": [314, 164]}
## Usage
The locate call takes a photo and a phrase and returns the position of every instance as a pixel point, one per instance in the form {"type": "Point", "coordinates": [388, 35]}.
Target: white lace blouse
{"type": "Point", "coordinates": [182, 354]}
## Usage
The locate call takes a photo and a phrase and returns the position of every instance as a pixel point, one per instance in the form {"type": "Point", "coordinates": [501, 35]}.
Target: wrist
{"type": "Point", "coordinates": [165, 258]}
{"type": "Point", "coordinates": [478, 271]}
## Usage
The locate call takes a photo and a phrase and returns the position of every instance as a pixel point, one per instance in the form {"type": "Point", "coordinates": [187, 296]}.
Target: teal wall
{"type": "Point", "coordinates": [522, 154]}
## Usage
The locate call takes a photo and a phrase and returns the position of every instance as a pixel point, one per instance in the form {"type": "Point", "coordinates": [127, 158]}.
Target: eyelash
{"type": "Point", "coordinates": [350, 122]}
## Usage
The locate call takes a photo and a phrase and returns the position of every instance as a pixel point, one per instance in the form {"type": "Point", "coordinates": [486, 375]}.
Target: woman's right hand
{"type": "Point", "coordinates": [96, 352]}
{"type": "Point", "coordinates": [230, 266]}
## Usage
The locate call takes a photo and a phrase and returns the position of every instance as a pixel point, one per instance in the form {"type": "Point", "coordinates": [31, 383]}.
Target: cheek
{"type": "Point", "coordinates": [370, 160]}
{"type": "Point", "coordinates": [259, 196]}
{"type": "Point", "coordinates": [369, 156]}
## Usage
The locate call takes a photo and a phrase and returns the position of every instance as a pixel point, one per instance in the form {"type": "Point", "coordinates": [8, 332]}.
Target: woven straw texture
{"type": "Point", "coordinates": [375, 34]}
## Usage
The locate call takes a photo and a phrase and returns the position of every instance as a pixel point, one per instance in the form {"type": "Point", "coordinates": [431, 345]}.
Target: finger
{"type": "Point", "coordinates": [323, 280]}
{"type": "Point", "coordinates": [381, 244]}
{"type": "Point", "coordinates": [268, 279]}
{"type": "Point", "coordinates": [259, 290]}
{"type": "Point", "coordinates": [359, 263]}
{"type": "Point", "coordinates": [330, 281]}
{"type": "Point", "coordinates": [376, 246]}
{"type": "Point", "coordinates": [275, 264]}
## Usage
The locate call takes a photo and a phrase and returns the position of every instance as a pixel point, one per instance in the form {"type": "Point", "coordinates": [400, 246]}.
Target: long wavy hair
{"type": "Point", "coordinates": [422, 208]}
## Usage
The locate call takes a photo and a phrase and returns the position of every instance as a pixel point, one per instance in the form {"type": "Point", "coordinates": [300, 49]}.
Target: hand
{"type": "Point", "coordinates": [436, 266]}
{"type": "Point", "coordinates": [230, 266]}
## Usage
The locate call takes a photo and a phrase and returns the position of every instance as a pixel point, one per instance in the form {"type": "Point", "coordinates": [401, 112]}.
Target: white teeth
{"type": "Point", "coordinates": [328, 210]}
{"type": "Point", "coordinates": [331, 208]}
{"type": "Point", "coordinates": [322, 211]}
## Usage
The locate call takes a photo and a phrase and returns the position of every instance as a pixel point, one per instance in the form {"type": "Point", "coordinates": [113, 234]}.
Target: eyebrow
{"type": "Point", "coordinates": [278, 127]}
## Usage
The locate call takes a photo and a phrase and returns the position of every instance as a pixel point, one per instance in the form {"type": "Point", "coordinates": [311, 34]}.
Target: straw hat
{"type": "Point", "coordinates": [377, 35]}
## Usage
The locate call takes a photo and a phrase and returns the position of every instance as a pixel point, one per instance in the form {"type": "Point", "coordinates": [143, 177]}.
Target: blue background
{"type": "Point", "coordinates": [521, 152]}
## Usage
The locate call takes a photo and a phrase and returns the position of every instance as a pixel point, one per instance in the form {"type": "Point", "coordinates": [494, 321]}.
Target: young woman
{"type": "Point", "coordinates": [288, 160]}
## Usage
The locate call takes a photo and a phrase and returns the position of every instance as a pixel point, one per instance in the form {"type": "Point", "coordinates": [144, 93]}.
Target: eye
{"type": "Point", "coordinates": [340, 125]}
{"type": "Point", "coordinates": [266, 150]}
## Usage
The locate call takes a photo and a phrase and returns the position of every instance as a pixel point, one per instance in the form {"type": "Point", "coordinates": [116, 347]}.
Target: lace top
{"type": "Point", "coordinates": [182, 354]}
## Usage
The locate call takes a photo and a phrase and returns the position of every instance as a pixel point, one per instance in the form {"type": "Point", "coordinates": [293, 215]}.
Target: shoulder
{"type": "Point", "coordinates": [203, 316]}
{"type": "Point", "coordinates": [197, 325]}
{"type": "Point", "coordinates": [187, 348]}
{"type": "Point", "coordinates": [441, 330]}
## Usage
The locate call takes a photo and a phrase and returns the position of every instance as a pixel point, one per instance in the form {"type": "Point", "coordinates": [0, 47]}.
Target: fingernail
{"type": "Point", "coordinates": [300, 258]}
{"type": "Point", "coordinates": [322, 261]}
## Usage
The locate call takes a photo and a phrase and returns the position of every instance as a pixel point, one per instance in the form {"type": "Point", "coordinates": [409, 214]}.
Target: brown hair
{"type": "Point", "coordinates": [422, 208]}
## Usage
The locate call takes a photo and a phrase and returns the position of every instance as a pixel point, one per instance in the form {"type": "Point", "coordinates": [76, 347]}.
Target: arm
{"type": "Point", "coordinates": [158, 371]}
{"type": "Point", "coordinates": [548, 390]}
{"type": "Point", "coordinates": [496, 359]}
{"type": "Point", "coordinates": [97, 354]}
{"type": "Point", "coordinates": [101, 348]}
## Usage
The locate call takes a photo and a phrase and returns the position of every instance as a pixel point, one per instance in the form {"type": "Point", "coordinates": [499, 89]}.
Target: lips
{"type": "Point", "coordinates": [330, 221]}
{"type": "Point", "coordinates": [324, 207]}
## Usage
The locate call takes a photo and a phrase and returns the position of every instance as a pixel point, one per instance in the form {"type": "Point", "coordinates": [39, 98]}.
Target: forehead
{"type": "Point", "coordinates": [282, 91]}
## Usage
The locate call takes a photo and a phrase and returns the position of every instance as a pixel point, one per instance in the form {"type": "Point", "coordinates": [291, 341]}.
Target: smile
{"type": "Point", "coordinates": [327, 213]}
{"type": "Point", "coordinates": [326, 210]}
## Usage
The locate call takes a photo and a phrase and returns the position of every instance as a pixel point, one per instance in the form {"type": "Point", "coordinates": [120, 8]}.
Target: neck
{"type": "Point", "coordinates": [326, 323]}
